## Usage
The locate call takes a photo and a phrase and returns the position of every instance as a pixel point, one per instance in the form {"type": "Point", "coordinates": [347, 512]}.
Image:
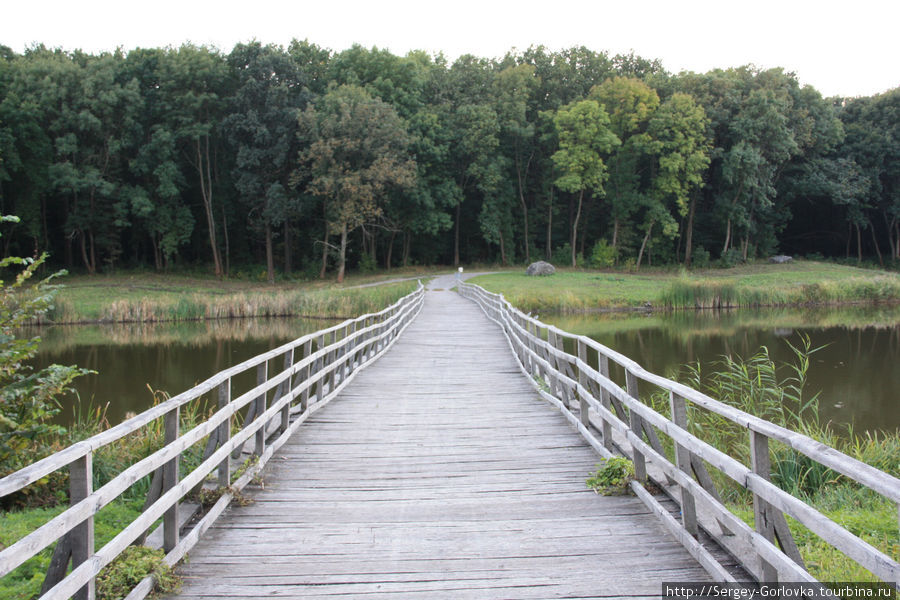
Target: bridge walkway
{"type": "Point", "coordinates": [437, 473]}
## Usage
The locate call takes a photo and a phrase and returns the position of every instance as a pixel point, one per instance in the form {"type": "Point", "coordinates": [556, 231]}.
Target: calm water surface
{"type": "Point", "coordinates": [857, 372]}
{"type": "Point", "coordinates": [170, 357]}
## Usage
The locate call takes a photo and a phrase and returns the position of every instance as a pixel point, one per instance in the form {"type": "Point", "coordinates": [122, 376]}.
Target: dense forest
{"type": "Point", "coordinates": [289, 160]}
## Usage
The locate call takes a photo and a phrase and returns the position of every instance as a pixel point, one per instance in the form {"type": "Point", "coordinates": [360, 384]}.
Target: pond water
{"type": "Point", "coordinates": [856, 372]}
{"type": "Point", "coordinates": [130, 360]}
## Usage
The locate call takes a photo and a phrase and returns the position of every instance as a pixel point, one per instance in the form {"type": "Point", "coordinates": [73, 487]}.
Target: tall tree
{"type": "Point", "coordinates": [585, 139]}
{"type": "Point", "coordinates": [630, 104]}
{"type": "Point", "coordinates": [355, 149]}
{"type": "Point", "coordinates": [200, 82]}
{"type": "Point", "coordinates": [514, 87]}
{"type": "Point", "coordinates": [262, 129]}
{"type": "Point", "coordinates": [676, 135]}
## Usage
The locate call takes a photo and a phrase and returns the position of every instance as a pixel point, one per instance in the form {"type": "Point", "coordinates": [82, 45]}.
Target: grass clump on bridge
{"type": "Point", "coordinates": [613, 477]}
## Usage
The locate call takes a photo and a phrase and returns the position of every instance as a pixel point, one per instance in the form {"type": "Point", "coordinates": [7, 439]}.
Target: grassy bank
{"type": "Point", "coordinates": [152, 297]}
{"type": "Point", "coordinates": [776, 392]}
{"type": "Point", "coordinates": [763, 284]}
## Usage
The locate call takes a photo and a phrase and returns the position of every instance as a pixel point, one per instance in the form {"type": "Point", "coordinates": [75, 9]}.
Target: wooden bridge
{"type": "Point", "coordinates": [453, 467]}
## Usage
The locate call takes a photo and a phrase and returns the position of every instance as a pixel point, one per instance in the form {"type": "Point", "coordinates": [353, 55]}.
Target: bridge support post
{"type": "Point", "coordinates": [683, 462]}
{"type": "Point", "coordinates": [224, 433]}
{"type": "Point", "coordinates": [289, 388]}
{"type": "Point", "coordinates": [307, 371]}
{"type": "Point", "coordinates": [603, 363]}
{"type": "Point", "coordinates": [262, 375]}
{"type": "Point", "coordinates": [637, 427]}
{"type": "Point", "coordinates": [170, 480]}
{"type": "Point", "coordinates": [762, 511]}
{"type": "Point", "coordinates": [81, 478]}
{"type": "Point", "coordinates": [583, 406]}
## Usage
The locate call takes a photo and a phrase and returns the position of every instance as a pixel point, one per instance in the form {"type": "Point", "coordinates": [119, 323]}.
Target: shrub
{"type": "Point", "coordinates": [731, 258]}
{"type": "Point", "coordinates": [27, 398]}
{"type": "Point", "coordinates": [700, 258]}
{"type": "Point", "coordinates": [603, 255]}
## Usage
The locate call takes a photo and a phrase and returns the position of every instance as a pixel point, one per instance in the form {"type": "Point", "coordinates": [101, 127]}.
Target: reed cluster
{"type": "Point", "coordinates": [776, 392]}
{"type": "Point", "coordinates": [326, 303]}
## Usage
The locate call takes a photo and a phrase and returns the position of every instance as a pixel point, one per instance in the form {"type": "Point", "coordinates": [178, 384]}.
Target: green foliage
{"type": "Point", "coordinates": [27, 398]}
{"type": "Point", "coordinates": [731, 258]}
{"type": "Point", "coordinates": [367, 264]}
{"type": "Point", "coordinates": [128, 569]}
{"type": "Point", "coordinates": [612, 477]}
{"type": "Point", "coordinates": [603, 256]}
{"type": "Point", "coordinates": [700, 258]}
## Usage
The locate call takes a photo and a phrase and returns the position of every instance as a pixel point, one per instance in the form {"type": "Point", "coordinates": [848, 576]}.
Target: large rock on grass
{"type": "Point", "coordinates": [540, 268]}
{"type": "Point", "coordinates": [781, 259]}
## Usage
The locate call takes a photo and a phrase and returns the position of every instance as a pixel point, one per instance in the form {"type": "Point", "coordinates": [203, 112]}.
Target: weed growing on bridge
{"type": "Point", "coordinates": [612, 477]}
{"type": "Point", "coordinates": [128, 569]}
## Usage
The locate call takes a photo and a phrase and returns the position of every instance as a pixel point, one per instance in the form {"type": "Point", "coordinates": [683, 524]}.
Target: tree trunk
{"type": "Point", "coordinates": [521, 177]}
{"type": "Point", "coordinates": [689, 234]}
{"type": "Point", "coordinates": [727, 237]}
{"type": "Point", "coordinates": [288, 267]}
{"type": "Point", "coordinates": [456, 237]}
{"type": "Point", "coordinates": [875, 241]}
{"type": "Point", "coordinates": [502, 250]}
{"type": "Point", "coordinates": [575, 228]}
{"type": "Point", "coordinates": [615, 241]}
{"type": "Point", "coordinates": [270, 255]}
{"type": "Point", "coordinates": [227, 247]}
{"type": "Point", "coordinates": [156, 254]}
{"type": "Point", "coordinates": [858, 246]}
{"type": "Point", "coordinates": [406, 245]}
{"type": "Point", "coordinates": [550, 226]}
{"type": "Point", "coordinates": [744, 245]}
{"type": "Point", "coordinates": [206, 193]}
{"type": "Point", "coordinates": [343, 254]}
{"type": "Point", "coordinates": [644, 245]}
{"type": "Point", "coordinates": [324, 255]}
{"type": "Point", "coordinates": [849, 239]}
{"type": "Point", "coordinates": [84, 253]}
{"type": "Point", "coordinates": [390, 251]}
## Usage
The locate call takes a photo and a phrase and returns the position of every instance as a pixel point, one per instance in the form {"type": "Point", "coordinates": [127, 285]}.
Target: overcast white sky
{"type": "Point", "coordinates": [847, 47]}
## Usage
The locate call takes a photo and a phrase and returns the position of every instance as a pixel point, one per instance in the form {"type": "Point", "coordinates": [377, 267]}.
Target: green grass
{"type": "Point", "coordinates": [761, 284]}
{"type": "Point", "coordinates": [150, 297]}
{"type": "Point", "coordinates": [25, 582]}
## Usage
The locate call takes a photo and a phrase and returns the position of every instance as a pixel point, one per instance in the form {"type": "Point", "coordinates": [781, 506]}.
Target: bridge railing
{"type": "Point", "coordinates": [605, 405]}
{"type": "Point", "coordinates": [292, 382]}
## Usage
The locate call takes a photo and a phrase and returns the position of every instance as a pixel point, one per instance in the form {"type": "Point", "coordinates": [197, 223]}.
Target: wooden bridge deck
{"type": "Point", "coordinates": [437, 473]}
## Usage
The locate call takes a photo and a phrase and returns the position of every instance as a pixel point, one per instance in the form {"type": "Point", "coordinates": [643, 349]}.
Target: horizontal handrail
{"type": "Point", "coordinates": [299, 389]}
{"type": "Point", "coordinates": [588, 393]}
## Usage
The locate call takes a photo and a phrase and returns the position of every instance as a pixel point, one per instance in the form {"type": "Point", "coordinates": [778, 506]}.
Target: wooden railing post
{"type": "Point", "coordinates": [683, 462]}
{"type": "Point", "coordinates": [262, 376]}
{"type": "Point", "coordinates": [583, 406]}
{"type": "Point", "coordinates": [170, 479]}
{"type": "Point", "coordinates": [603, 363]}
{"type": "Point", "coordinates": [765, 526]}
{"type": "Point", "coordinates": [81, 485]}
{"type": "Point", "coordinates": [637, 427]}
{"type": "Point", "coordinates": [307, 371]}
{"type": "Point", "coordinates": [317, 369]}
{"type": "Point", "coordinates": [224, 434]}
{"type": "Point", "coordinates": [289, 387]}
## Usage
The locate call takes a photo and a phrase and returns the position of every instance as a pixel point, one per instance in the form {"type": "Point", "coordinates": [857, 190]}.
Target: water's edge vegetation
{"type": "Point", "coordinates": [803, 283]}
